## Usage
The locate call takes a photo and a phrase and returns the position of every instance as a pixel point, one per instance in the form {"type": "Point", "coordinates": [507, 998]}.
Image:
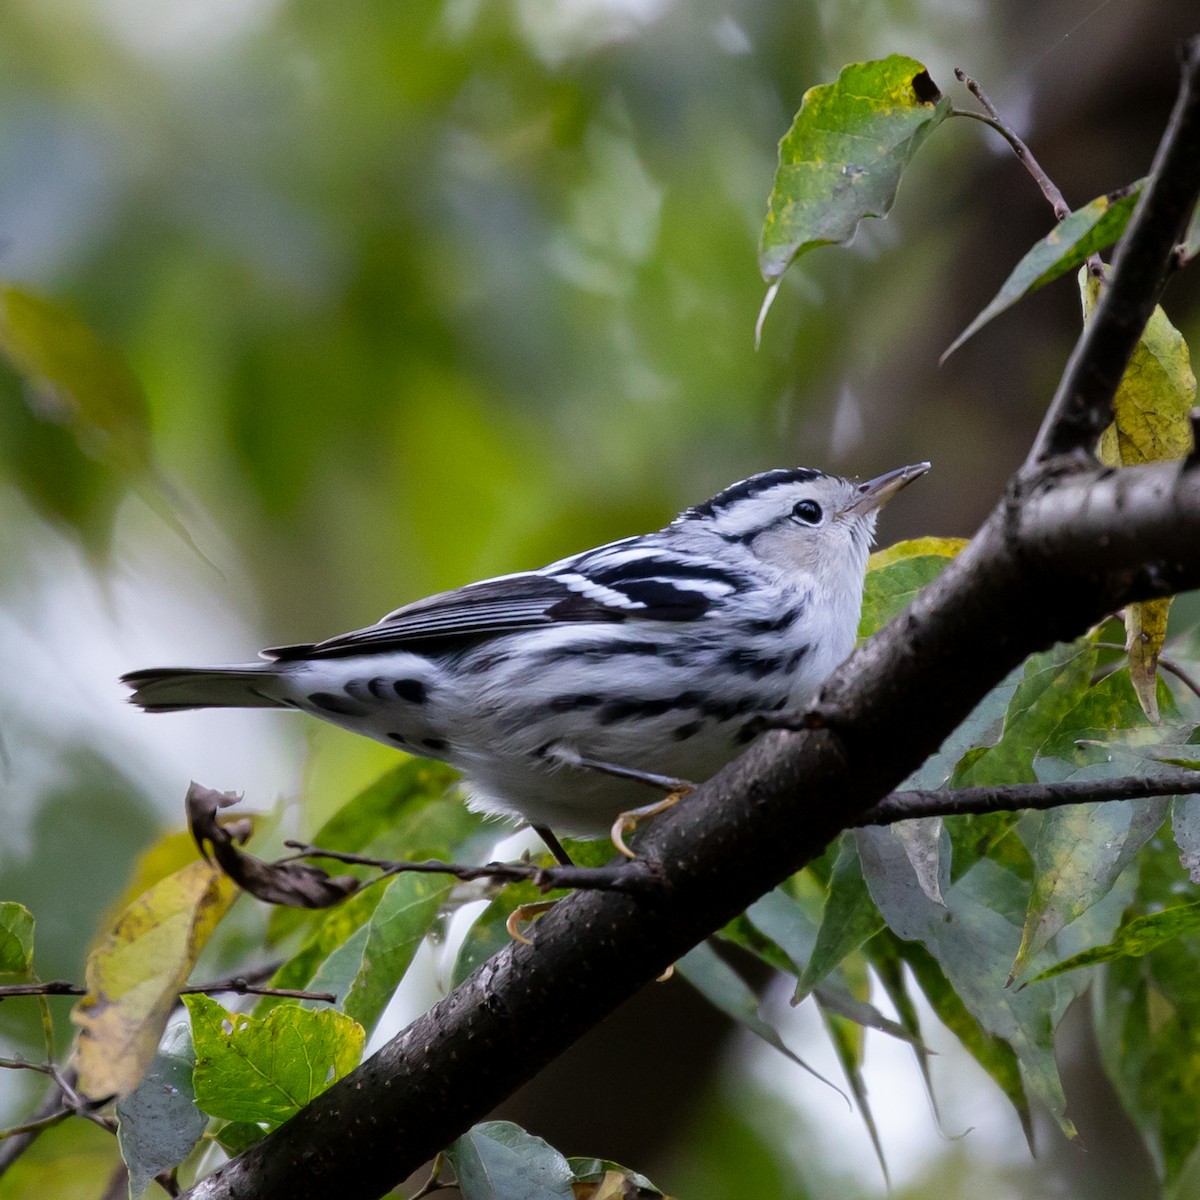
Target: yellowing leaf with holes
{"type": "Point", "coordinates": [1151, 422]}
{"type": "Point", "coordinates": [843, 157]}
{"type": "Point", "coordinates": [134, 974]}
{"type": "Point", "coordinates": [268, 1068]}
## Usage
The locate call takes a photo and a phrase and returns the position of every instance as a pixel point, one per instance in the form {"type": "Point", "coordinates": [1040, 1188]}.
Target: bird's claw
{"type": "Point", "coordinates": [627, 822]}
{"type": "Point", "coordinates": [523, 913]}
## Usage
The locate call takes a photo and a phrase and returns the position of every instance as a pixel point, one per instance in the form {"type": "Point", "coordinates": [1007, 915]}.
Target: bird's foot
{"type": "Point", "coordinates": [524, 914]}
{"type": "Point", "coordinates": [627, 822]}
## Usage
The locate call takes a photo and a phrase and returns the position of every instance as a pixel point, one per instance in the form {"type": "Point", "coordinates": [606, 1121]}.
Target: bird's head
{"type": "Point", "coordinates": [802, 520]}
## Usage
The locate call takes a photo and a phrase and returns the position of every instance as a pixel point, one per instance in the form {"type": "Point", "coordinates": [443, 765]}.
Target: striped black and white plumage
{"type": "Point", "coordinates": [652, 653]}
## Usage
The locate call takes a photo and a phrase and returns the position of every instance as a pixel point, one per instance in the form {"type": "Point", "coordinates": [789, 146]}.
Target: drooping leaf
{"type": "Point", "coordinates": [135, 971]}
{"type": "Point", "coordinates": [1134, 939]}
{"type": "Point", "coordinates": [971, 941]}
{"type": "Point", "coordinates": [1151, 422]}
{"type": "Point", "coordinates": [1052, 683]}
{"type": "Point", "coordinates": [16, 938]}
{"type": "Point", "coordinates": [847, 1038]}
{"type": "Point", "coordinates": [848, 921]}
{"type": "Point", "coordinates": [158, 1123]}
{"type": "Point", "coordinates": [1185, 824]}
{"type": "Point", "coordinates": [897, 574]}
{"type": "Point", "coordinates": [1086, 231]}
{"type": "Point", "coordinates": [337, 927]}
{"type": "Point", "coordinates": [842, 159]}
{"type": "Point", "coordinates": [498, 1160]}
{"type": "Point", "coordinates": [402, 815]}
{"type": "Point", "coordinates": [885, 960]}
{"type": "Point", "coordinates": [725, 989]}
{"type": "Point", "coordinates": [364, 978]}
{"type": "Point", "coordinates": [599, 1179]}
{"type": "Point", "coordinates": [252, 1069]}
{"type": "Point", "coordinates": [1150, 1048]}
{"type": "Point", "coordinates": [991, 1052]}
{"type": "Point", "coordinates": [922, 840]}
{"type": "Point", "coordinates": [1081, 851]}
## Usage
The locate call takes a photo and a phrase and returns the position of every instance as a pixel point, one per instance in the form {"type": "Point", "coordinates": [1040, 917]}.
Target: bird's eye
{"type": "Point", "coordinates": [808, 511]}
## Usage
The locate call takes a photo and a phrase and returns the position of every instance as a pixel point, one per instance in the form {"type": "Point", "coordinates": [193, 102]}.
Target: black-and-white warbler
{"type": "Point", "coordinates": [560, 693]}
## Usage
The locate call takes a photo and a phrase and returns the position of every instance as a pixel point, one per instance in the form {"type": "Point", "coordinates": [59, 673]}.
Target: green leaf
{"type": "Point", "coordinates": [498, 1160]}
{"type": "Point", "coordinates": [842, 159]}
{"type": "Point", "coordinates": [249, 1069]}
{"type": "Point", "coordinates": [335, 926]}
{"type": "Point", "coordinates": [897, 574]}
{"type": "Point", "coordinates": [158, 1123]}
{"type": "Point", "coordinates": [1134, 939]}
{"type": "Point", "coordinates": [1051, 685]}
{"type": "Point", "coordinates": [847, 1038]}
{"type": "Point", "coordinates": [601, 1171]}
{"type": "Point", "coordinates": [972, 942]}
{"type": "Point", "coordinates": [76, 379]}
{"type": "Point", "coordinates": [1081, 851]}
{"type": "Point", "coordinates": [16, 938]}
{"type": "Point", "coordinates": [1185, 825]}
{"type": "Point", "coordinates": [366, 976]}
{"type": "Point", "coordinates": [390, 810]}
{"type": "Point", "coordinates": [992, 1053]}
{"type": "Point", "coordinates": [848, 920]}
{"type": "Point", "coordinates": [1086, 231]}
{"type": "Point", "coordinates": [1150, 1049]}
{"type": "Point", "coordinates": [725, 990]}
{"type": "Point", "coordinates": [134, 974]}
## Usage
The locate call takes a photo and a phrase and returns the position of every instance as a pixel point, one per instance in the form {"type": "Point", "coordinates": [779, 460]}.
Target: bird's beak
{"type": "Point", "coordinates": [877, 492]}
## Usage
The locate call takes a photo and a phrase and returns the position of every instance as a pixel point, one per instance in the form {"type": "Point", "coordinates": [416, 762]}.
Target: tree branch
{"type": "Point", "coordinates": [957, 802]}
{"type": "Point", "coordinates": [1082, 405]}
{"type": "Point", "coordinates": [1036, 573]}
{"type": "Point", "coordinates": [623, 876]}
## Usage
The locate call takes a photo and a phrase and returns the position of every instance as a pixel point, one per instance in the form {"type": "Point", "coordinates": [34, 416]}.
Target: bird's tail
{"type": "Point", "coordinates": [172, 689]}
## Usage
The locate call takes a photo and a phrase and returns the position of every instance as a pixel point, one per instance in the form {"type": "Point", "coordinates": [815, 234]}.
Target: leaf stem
{"type": "Point", "coordinates": [993, 120]}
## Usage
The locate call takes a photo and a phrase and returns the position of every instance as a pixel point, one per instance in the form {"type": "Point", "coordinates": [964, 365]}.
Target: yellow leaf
{"type": "Point", "coordinates": [134, 974]}
{"type": "Point", "coordinates": [1151, 422]}
{"type": "Point", "coordinates": [1145, 632]}
{"type": "Point", "coordinates": [915, 548]}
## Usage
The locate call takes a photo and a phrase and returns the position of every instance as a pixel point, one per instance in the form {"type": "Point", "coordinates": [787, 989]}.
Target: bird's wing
{"type": "Point", "coordinates": [614, 583]}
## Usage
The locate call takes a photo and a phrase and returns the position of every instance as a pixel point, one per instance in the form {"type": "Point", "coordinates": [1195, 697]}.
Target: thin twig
{"type": "Point", "coordinates": [53, 987]}
{"type": "Point", "coordinates": [628, 877]}
{"type": "Point", "coordinates": [993, 120]}
{"type": "Point", "coordinates": [244, 987]}
{"type": "Point", "coordinates": [36, 1126]}
{"type": "Point", "coordinates": [903, 806]}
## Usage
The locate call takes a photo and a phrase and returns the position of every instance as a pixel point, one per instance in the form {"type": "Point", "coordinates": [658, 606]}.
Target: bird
{"type": "Point", "coordinates": [561, 694]}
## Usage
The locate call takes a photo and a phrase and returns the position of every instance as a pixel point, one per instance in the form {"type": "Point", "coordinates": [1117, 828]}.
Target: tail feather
{"type": "Point", "coordinates": [172, 689]}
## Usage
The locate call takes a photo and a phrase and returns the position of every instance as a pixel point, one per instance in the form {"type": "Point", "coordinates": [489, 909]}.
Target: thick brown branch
{"type": "Point", "coordinates": [1082, 405]}
{"type": "Point", "coordinates": [904, 806]}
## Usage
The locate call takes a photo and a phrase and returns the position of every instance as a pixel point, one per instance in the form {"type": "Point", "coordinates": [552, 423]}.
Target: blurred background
{"type": "Point", "coordinates": [417, 292]}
